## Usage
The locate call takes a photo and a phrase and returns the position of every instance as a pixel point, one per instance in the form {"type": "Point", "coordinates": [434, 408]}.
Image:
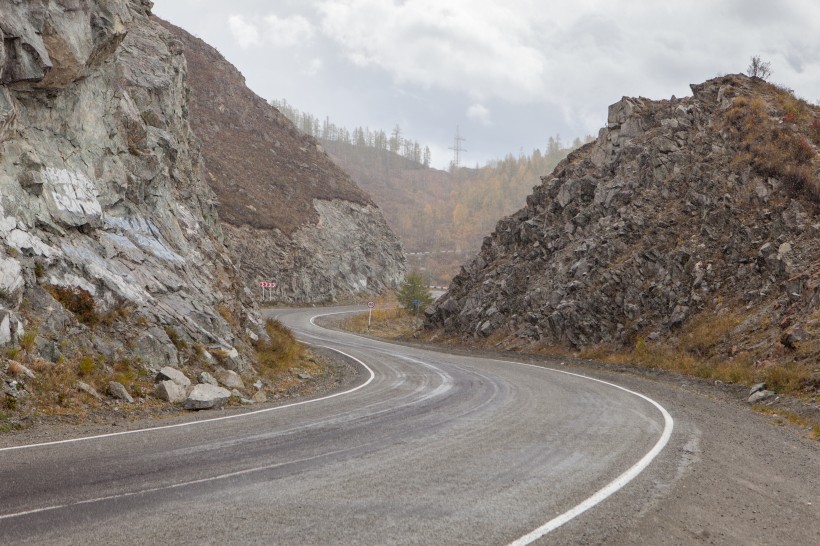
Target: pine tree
{"type": "Point", "coordinates": [414, 289]}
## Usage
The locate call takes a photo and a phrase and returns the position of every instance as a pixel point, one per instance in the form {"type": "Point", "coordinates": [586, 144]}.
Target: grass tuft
{"type": "Point", "coordinates": [77, 300]}
{"type": "Point", "coordinates": [279, 353]}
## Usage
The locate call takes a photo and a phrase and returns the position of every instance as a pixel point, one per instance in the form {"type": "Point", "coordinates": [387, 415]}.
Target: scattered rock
{"type": "Point", "coordinates": [170, 391]}
{"type": "Point", "coordinates": [258, 385]}
{"type": "Point", "coordinates": [10, 388]}
{"type": "Point", "coordinates": [304, 376]}
{"type": "Point", "coordinates": [172, 374]}
{"type": "Point", "coordinates": [118, 391]}
{"type": "Point", "coordinates": [205, 377]}
{"type": "Point", "coordinates": [757, 387]}
{"type": "Point", "coordinates": [229, 379]}
{"type": "Point", "coordinates": [88, 389]}
{"type": "Point", "coordinates": [760, 396]}
{"type": "Point", "coordinates": [204, 396]}
{"type": "Point", "coordinates": [259, 397]}
{"type": "Point", "coordinates": [16, 368]}
{"type": "Point", "coordinates": [793, 336]}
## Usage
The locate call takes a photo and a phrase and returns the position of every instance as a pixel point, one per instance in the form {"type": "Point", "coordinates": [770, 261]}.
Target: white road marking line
{"type": "Point", "coordinates": [203, 421]}
{"type": "Point", "coordinates": [177, 485]}
{"type": "Point", "coordinates": [613, 486]}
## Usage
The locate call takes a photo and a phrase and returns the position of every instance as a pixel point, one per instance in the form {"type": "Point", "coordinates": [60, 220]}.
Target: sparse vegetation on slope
{"type": "Point", "coordinates": [684, 238]}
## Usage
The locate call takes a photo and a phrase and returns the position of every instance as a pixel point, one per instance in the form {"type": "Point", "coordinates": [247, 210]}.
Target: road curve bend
{"type": "Point", "coordinates": [427, 448]}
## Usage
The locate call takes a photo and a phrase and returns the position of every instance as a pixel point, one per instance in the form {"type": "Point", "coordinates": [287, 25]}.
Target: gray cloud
{"type": "Point", "coordinates": [509, 73]}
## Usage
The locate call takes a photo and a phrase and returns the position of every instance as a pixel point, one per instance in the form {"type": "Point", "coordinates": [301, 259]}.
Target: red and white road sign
{"type": "Point", "coordinates": [371, 304]}
{"type": "Point", "coordinates": [267, 284]}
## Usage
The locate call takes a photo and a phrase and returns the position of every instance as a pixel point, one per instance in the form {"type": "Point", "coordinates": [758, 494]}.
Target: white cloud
{"type": "Point", "coordinates": [313, 67]}
{"type": "Point", "coordinates": [480, 113]}
{"type": "Point", "coordinates": [273, 30]}
{"type": "Point", "coordinates": [245, 33]}
{"type": "Point", "coordinates": [287, 31]}
{"type": "Point", "coordinates": [480, 47]}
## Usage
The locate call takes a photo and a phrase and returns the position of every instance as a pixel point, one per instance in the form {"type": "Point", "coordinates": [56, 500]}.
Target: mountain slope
{"type": "Point", "coordinates": [288, 212]}
{"type": "Point", "coordinates": [109, 233]}
{"type": "Point", "coordinates": [690, 222]}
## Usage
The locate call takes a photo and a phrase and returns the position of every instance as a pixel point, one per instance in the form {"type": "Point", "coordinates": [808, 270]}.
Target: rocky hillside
{"type": "Point", "coordinates": [689, 222]}
{"type": "Point", "coordinates": [289, 213]}
{"type": "Point", "coordinates": [112, 253]}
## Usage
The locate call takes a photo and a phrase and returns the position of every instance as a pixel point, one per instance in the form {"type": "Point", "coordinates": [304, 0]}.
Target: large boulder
{"type": "Point", "coordinates": [229, 379]}
{"type": "Point", "coordinates": [172, 374]}
{"type": "Point", "coordinates": [170, 392]}
{"type": "Point", "coordinates": [204, 396]}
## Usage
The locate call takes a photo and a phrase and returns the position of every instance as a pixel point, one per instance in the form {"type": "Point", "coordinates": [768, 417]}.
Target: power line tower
{"type": "Point", "coordinates": [457, 149]}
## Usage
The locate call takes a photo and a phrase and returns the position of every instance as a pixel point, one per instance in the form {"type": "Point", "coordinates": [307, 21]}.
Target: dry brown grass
{"type": "Point", "coordinates": [784, 415]}
{"type": "Point", "coordinates": [702, 333]}
{"type": "Point", "coordinates": [77, 300]}
{"type": "Point", "coordinates": [228, 314]}
{"type": "Point", "coordinates": [775, 137]}
{"type": "Point", "coordinates": [281, 352]}
{"type": "Point", "coordinates": [389, 323]}
{"type": "Point", "coordinates": [700, 352]}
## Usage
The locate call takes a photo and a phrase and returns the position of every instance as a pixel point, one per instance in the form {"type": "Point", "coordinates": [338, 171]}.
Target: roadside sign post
{"type": "Point", "coordinates": [269, 286]}
{"type": "Point", "coordinates": [370, 306]}
{"type": "Point", "coordinates": [416, 303]}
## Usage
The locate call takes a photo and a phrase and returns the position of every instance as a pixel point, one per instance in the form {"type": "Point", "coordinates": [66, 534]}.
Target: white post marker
{"type": "Point", "coordinates": [370, 306]}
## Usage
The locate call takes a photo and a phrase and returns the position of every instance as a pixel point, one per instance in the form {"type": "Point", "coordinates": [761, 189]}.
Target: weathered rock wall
{"type": "Point", "coordinates": [350, 250]}
{"type": "Point", "coordinates": [657, 221]}
{"type": "Point", "coordinates": [101, 186]}
{"type": "Point", "coordinates": [291, 214]}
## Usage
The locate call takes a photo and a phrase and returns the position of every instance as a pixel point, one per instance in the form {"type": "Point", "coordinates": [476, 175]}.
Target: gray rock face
{"type": "Point", "coordinates": [640, 231]}
{"type": "Point", "coordinates": [101, 183]}
{"type": "Point", "coordinates": [170, 392]}
{"type": "Point", "coordinates": [350, 250]}
{"type": "Point", "coordinates": [204, 396]}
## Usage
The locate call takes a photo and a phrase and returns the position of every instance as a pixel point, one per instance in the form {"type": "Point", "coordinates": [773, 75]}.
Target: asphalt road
{"type": "Point", "coordinates": [429, 448]}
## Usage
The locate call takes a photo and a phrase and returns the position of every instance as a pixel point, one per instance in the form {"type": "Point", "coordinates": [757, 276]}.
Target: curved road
{"type": "Point", "coordinates": [428, 448]}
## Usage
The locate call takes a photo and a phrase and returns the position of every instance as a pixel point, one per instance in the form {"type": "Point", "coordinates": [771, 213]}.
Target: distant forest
{"type": "Point", "coordinates": [360, 137]}
{"type": "Point", "coordinates": [441, 217]}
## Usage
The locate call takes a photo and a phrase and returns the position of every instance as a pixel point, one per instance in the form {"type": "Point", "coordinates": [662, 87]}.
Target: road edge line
{"type": "Point", "coordinates": [615, 485]}
{"type": "Point", "coordinates": [210, 420]}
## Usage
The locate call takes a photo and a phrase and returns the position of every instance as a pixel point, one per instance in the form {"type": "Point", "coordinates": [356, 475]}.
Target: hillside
{"type": "Point", "coordinates": [442, 216]}
{"type": "Point", "coordinates": [689, 228]}
{"type": "Point", "coordinates": [289, 214]}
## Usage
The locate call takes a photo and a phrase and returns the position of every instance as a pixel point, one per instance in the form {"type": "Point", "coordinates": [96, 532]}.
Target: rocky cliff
{"type": "Point", "coordinates": [112, 249]}
{"type": "Point", "coordinates": [289, 214]}
{"type": "Point", "coordinates": [693, 216]}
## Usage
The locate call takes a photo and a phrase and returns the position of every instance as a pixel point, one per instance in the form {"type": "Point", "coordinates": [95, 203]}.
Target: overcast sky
{"type": "Point", "coordinates": [509, 73]}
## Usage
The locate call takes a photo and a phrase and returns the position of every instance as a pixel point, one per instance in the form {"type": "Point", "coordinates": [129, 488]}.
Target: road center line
{"type": "Point", "coordinates": [177, 485]}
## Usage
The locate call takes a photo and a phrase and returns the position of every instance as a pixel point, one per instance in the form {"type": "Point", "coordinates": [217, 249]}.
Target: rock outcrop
{"type": "Point", "coordinates": [683, 211]}
{"type": "Point", "coordinates": [110, 235]}
{"type": "Point", "coordinates": [290, 215]}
